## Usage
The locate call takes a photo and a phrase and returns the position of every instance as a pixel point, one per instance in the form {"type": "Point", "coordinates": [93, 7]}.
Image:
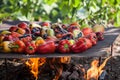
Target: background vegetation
{"type": "Point", "coordinates": [86, 12]}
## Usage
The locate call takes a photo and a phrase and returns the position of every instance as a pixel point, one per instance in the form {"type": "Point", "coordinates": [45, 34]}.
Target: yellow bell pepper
{"type": "Point", "coordinates": [5, 46]}
{"type": "Point", "coordinates": [39, 41]}
{"type": "Point", "coordinates": [72, 41]}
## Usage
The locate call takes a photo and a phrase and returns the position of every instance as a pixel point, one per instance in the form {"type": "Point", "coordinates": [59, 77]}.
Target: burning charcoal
{"type": "Point", "coordinates": [103, 75]}
{"type": "Point", "coordinates": [44, 78]}
{"type": "Point", "coordinates": [78, 66]}
{"type": "Point", "coordinates": [66, 67]}
{"type": "Point", "coordinates": [74, 76]}
{"type": "Point", "coordinates": [64, 75]}
{"type": "Point", "coordinates": [52, 73]}
{"type": "Point", "coordinates": [80, 69]}
{"type": "Point", "coordinates": [72, 67]}
{"type": "Point", "coordinates": [2, 71]}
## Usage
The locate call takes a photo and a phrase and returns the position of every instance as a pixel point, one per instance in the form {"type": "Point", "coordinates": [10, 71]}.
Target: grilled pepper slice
{"type": "Point", "coordinates": [64, 46]}
{"type": "Point", "coordinates": [30, 48]}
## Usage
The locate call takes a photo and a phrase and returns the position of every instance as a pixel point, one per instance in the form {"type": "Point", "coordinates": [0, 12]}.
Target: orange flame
{"type": "Point", "coordinates": [62, 60]}
{"type": "Point", "coordinates": [95, 71]}
{"type": "Point", "coordinates": [65, 60]}
{"type": "Point", "coordinates": [34, 64]}
{"type": "Point", "coordinates": [56, 63]}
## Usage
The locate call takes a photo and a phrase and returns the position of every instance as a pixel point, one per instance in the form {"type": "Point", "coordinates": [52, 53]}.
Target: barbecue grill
{"type": "Point", "coordinates": [103, 48]}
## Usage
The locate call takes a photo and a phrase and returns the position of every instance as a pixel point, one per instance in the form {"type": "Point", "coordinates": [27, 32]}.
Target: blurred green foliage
{"type": "Point", "coordinates": [87, 12]}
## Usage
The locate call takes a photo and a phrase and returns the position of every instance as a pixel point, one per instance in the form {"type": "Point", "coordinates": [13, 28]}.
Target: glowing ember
{"type": "Point", "coordinates": [65, 59]}
{"type": "Point", "coordinates": [95, 71]}
{"type": "Point", "coordinates": [34, 64]}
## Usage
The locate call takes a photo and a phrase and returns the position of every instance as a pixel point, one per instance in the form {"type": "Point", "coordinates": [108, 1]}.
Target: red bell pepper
{"type": "Point", "coordinates": [18, 46]}
{"type": "Point", "coordinates": [64, 46]}
{"type": "Point", "coordinates": [81, 45]}
{"type": "Point", "coordinates": [48, 47]}
{"type": "Point", "coordinates": [93, 38]}
{"type": "Point", "coordinates": [86, 41]}
{"type": "Point", "coordinates": [30, 48]}
{"type": "Point", "coordinates": [86, 31]}
{"type": "Point", "coordinates": [26, 39]}
{"type": "Point", "coordinates": [100, 36]}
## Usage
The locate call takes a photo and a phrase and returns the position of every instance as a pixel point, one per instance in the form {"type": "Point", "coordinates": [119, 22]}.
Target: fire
{"type": "Point", "coordinates": [62, 60]}
{"type": "Point", "coordinates": [95, 71]}
{"type": "Point", "coordinates": [65, 60]}
{"type": "Point", "coordinates": [55, 63]}
{"type": "Point", "coordinates": [34, 64]}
